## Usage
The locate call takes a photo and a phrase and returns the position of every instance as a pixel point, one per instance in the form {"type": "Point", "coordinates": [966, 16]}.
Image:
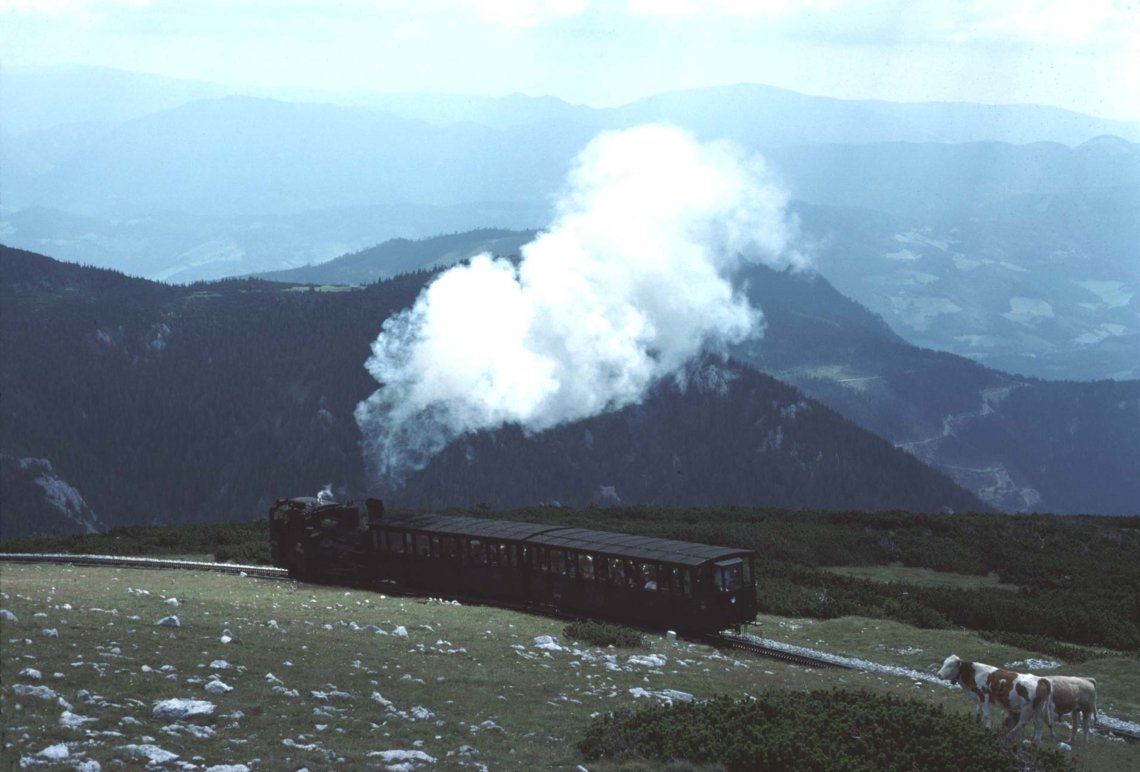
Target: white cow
{"type": "Point", "coordinates": [1075, 695]}
{"type": "Point", "coordinates": [1026, 696]}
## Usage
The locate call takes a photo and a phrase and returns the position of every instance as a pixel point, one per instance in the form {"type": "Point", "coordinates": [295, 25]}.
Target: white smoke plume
{"type": "Point", "coordinates": [630, 282]}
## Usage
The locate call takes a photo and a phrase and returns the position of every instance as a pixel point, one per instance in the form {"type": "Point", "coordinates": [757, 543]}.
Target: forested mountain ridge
{"type": "Point", "coordinates": [1020, 443]}
{"type": "Point", "coordinates": [165, 404]}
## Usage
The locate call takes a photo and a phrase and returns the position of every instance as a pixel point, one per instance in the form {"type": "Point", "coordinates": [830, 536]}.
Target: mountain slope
{"type": "Point", "coordinates": [183, 404]}
{"type": "Point", "coordinates": [403, 256]}
{"type": "Point", "coordinates": [1021, 444]}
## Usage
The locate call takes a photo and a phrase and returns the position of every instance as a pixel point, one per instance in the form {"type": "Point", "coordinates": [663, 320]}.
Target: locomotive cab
{"type": "Point", "coordinates": [316, 540]}
{"type": "Point", "coordinates": [735, 594]}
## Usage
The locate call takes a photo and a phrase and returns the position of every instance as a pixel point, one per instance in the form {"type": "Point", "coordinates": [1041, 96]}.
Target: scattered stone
{"type": "Point", "coordinates": [386, 704]}
{"type": "Point", "coordinates": [227, 636]}
{"type": "Point", "coordinates": [43, 692]}
{"type": "Point", "coordinates": [422, 713]}
{"type": "Point", "coordinates": [1063, 746]}
{"type": "Point", "coordinates": [69, 720]}
{"type": "Point", "coordinates": [648, 660]}
{"type": "Point", "coordinates": [32, 673]}
{"type": "Point", "coordinates": [220, 664]}
{"type": "Point", "coordinates": [393, 757]}
{"type": "Point", "coordinates": [668, 696]}
{"type": "Point", "coordinates": [151, 753]}
{"type": "Point", "coordinates": [400, 632]}
{"type": "Point", "coordinates": [1033, 664]}
{"type": "Point", "coordinates": [57, 752]}
{"type": "Point", "coordinates": [547, 643]}
{"type": "Point", "coordinates": [178, 708]}
{"type": "Point", "coordinates": [218, 687]}
{"type": "Point", "coordinates": [228, 768]}
{"type": "Point", "coordinates": [50, 632]}
{"type": "Point", "coordinates": [273, 679]}
{"type": "Point", "coordinates": [486, 726]}
{"type": "Point", "coordinates": [170, 621]}
{"type": "Point", "coordinates": [7, 615]}
{"type": "Point", "coordinates": [195, 731]}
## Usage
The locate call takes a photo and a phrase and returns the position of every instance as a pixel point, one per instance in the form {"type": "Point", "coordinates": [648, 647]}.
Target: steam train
{"type": "Point", "coordinates": [637, 580]}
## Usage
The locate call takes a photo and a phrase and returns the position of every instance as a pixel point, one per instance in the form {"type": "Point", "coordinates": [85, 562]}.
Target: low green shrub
{"type": "Point", "coordinates": [1044, 645]}
{"type": "Point", "coordinates": [602, 634]}
{"type": "Point", "coordinates": [824, 731]}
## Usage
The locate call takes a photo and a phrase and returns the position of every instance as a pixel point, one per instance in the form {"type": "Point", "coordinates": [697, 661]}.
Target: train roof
{"type": "Point", "coordinates": [478, 527]}
{"type": "Point", "coordinates": [627, 545]}
{"type": "Point", "coordinates": [621, 545]}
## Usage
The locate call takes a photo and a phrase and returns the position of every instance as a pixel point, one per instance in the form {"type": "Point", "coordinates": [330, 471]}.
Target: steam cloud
{"type": "Point", "coordinates": [631, 281]}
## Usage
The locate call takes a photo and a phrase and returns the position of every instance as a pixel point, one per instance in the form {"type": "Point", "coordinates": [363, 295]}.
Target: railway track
{"type": "Point", "coordinates": [742, 643]}
{"type": "Point", "coordinates": [119, 561]}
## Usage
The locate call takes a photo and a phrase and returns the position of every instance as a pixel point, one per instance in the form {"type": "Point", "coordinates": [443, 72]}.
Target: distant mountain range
{"type": "Point", "coordinates": [39, 98]}
{"type": "Point", "coordinates": [1003, 233]}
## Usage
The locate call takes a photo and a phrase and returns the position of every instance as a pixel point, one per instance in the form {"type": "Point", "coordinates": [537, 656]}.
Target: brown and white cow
{"type": "Point", "coordinates": [972, 677]}
{"type": "Point", "coordinates": [1075, 695]}
{"type": "Point", "coordinates": [1023, 695]}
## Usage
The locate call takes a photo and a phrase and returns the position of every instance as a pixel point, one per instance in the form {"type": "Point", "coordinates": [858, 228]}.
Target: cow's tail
{"type": "Point", "coordinates": [1092, 707]}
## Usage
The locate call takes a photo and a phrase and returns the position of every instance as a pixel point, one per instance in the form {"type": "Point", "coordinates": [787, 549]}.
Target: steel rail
{"type": "Point", "coordinates": [126, 561]}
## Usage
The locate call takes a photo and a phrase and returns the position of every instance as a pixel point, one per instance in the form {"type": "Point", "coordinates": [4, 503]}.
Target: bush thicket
{"type": "Point", "coordinates": [603, 634]}
{"type": "Point", "coordinates": [824, 731]}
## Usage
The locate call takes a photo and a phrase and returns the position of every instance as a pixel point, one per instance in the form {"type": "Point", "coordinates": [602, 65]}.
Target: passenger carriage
{"type": "Point", "coordinates": [638, 580]}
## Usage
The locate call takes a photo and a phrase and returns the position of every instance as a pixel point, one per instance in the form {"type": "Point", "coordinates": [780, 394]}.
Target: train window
{"type": "Point", "coordinates": [396, 542]}
{"type": "Point", "coordinates": [586, 567]}
{"type": "Point", "coordinates": [409, 544]}
{"type": "Point", "coordinates": [423, 545]}
{"type": "Point", "coordinates": [674, 580]}
{"type": "Point", "coordinates": [729, 574]}
{"type": "Point", "coordinates": [687, 583]}
{"type": "Point", "coordinates": [617, 571]}
{"type": "Point", "coordinates": [648, 576]}
{"type": "Point", "coordinates": [558, 562]}
{"type": "Point", "coordinates": [600, 570]}
{"type": "Point", "coordinates": [476, 555]}
{"type": "Point", "coordinates": [450, 548]}
{"type": "Point", "coordinates": [436, 548]}
{"type": "Point", "coordinates": [513, 555]}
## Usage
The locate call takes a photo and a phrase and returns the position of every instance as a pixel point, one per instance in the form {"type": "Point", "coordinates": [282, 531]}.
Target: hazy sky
{"type": "Point", "coordinates": [1079, 54]}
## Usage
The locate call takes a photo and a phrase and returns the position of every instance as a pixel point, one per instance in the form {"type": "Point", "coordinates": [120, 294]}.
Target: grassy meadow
{"type": "Point", "coordinates": [328, 678]}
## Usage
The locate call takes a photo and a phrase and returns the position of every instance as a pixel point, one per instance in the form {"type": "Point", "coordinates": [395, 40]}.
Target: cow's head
{"type": "Point", "coordinates": [950, 669]}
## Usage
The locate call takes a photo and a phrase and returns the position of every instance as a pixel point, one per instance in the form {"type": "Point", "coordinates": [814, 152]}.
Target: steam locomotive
{"type": "Point", "coordinates": [638, 580]}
